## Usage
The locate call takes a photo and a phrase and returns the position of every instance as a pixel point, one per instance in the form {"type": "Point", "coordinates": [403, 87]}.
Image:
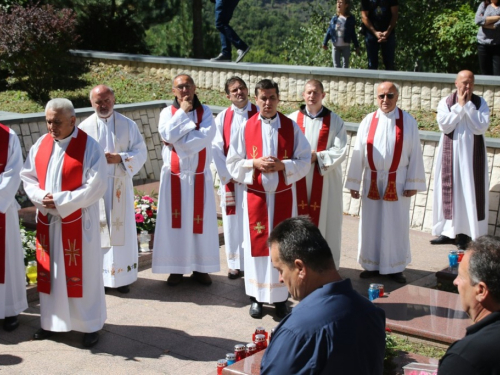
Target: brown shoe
{"type": "Point", "coordinates": [174, 279]}
{"type": "Point", "coordinates": [202, 278]}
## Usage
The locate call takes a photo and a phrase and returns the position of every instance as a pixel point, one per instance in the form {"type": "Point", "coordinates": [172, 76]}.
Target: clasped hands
{"type": "Point", "coordinates": [48, 201]}
{"type": "Point", "coordinates": [268, 164]}
{"type": "Point", "coordinates": [406, 193]}
{"type": "Point", "coordinates": [113, 158]}
{"type": "Point", "coordinates": [382, 36]}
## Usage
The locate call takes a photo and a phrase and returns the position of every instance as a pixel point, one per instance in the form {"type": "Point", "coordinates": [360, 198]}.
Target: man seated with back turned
{"type": "Point", "coordinates": [333, 330]}
{"type": "Point", "coordinates": [478, 284]}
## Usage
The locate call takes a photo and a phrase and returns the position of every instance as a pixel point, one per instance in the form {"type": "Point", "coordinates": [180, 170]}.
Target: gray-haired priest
{"type": "Point", "coordinates": [126, 153]}
{"type": "Point", "coordinates": [65, 175]}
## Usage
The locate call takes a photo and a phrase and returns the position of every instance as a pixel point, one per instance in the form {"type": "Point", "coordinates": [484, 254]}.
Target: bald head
{"type": "Point", "coordinates": [465, 85]}
{"type": "Point", "coordinates": [102, 99]}
{"type": "Point", "coordinates": [387, 96]}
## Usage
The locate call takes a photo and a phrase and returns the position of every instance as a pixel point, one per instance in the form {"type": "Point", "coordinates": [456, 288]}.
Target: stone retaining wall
{"type": "Point", "coordinates": [350, 87]}
{"type": "Point", "coordinates": [31, 127]}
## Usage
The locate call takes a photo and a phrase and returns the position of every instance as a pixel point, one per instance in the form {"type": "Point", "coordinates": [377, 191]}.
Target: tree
{"type": "Point", "coordinates": [34, 45]}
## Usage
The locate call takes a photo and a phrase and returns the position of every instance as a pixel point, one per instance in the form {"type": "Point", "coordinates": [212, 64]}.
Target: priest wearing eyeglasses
{"type": "Point", "coordinates": [387, 160]}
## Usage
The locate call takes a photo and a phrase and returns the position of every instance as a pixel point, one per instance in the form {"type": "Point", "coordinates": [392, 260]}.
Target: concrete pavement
{"type": "Point", "coordinates": [157, 329]}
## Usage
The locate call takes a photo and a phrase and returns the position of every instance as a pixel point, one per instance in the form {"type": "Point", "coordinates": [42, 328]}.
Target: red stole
{"type": "Point", "coordinates": [199, 183]}
{"type": "Point", "coordinates": [256, 195]}
{"type": "Point", "coordinates": [71, 226]}
{"type": "Point", "coordinates": [303, 204]}
{"type": "Point", "coordinates": [4, 153]}
{"type": "Point", "coordinates": [226, 135]}
{"type": "Point", "coordinates": [390, 191]}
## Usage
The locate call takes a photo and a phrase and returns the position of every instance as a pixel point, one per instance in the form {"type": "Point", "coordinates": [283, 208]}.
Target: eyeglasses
{"type": "Point", "coordinates": [390, 96]}
{"type": "Point", "coordinates": [182, 87]}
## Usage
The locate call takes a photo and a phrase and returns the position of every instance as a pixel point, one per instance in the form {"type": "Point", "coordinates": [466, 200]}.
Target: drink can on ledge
{"type": "Point", "coordinates": [221, 363]}
{"type": "Point", "coordinates": [380, 290]}
{"type": "Point", "coordinates": [261, 331]}
{"type": "Point", "coordinates": [453, 258]}
{"type": "Point", "coordinates": [230, 358]}
{"type": "Point", "coordinates": [460, 254]}
{"type": "Point", "coordinates": [373, 292]}
{"type": "Point", "coordinates": [251, 349]}
{"type": "Point", "coordinates": [260, 342]}
{"type": "Point", "coordinates": [239, 352]}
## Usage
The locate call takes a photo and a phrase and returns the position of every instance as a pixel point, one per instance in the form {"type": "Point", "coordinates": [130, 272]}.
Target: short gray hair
{"type": "Point", "coordinates": [484, 264]}
{"type": "Point", "coordinates": [392, 83]}
{"type": "Point", "coordinates": [61, 104]}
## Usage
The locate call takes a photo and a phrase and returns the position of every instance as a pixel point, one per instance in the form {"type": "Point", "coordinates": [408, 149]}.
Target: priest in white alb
{"type": "Point", "coordinates": [186, 236]}
{"type": "Point", "coordinates": [12, 272]}
{"type": "Point", "coordinates": [319, 194]}
{"type": "Point", "coordinates": [231, 193]}
{"type": "Point", "coordinates": [65, 175]}
{"type": "Point", "coordinates": [461, 180]}
{"type": "Point", "coordinates": [268, 154]}
{"type": "Point", "coordinates": [126, 153]}
{"type": "Point", "coordinates": [387, 160]}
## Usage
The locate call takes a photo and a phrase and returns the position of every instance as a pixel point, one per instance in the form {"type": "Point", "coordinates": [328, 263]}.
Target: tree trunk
{"type": "Point", "coordinates": [198, 29]}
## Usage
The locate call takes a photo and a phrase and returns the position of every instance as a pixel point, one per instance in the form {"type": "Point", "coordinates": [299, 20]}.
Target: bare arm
{"type": "Point", "coordinates": [369, 25]}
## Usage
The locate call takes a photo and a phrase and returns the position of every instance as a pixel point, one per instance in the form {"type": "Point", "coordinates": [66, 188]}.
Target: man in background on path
{"type": "Point", "coordinates": [461, 173]}
{"type": "Point", "coordinates": [223, 13]}
{"type": "Point", "coordinates": [319, 194]}
{"type": "Point", "coordinates": [379, 22]}
{"type": "Point", "coordinates": [126, 153]}
{"type": "Point", "coordinates": [227, 123]}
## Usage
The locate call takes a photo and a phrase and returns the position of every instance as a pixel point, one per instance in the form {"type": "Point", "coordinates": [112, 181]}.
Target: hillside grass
{"type": "Point", "coordinates": [140, 87]}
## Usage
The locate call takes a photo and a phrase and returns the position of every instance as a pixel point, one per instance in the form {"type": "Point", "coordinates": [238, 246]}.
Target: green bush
{"type": "Point", "coordinates": [34, 45]}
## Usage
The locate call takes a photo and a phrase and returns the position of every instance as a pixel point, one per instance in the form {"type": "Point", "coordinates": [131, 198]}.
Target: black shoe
{"type": "Point", "coordinates": [442, 240]}
{"type": "Point", "coordinates": [10, 323]}
{"type": "Point", "coordinates": [398, 277]}
{"type": "Point", "coordinates": [234, 274]}
{"type": "Point", "coordinates": [202, 277]}
{"type": "Point", "coordinates": [367, 274]}
{"type": "Point", "coordinates": [123, 289]}
{"type": "Point", "coordinates": [241, 54]}
{"type": "Point", "coordinates": [174, 279]}
{"type": "Point", "coordinates": [42, 334]}
{"type": "Point", "coordinates": [462, 241]}
{"type": "Point", "coordinates": [90, 339]}
{"type": "Point", "coordinates": [281, 309]}
{"type": "Point", "coordinates": [221, 58]}
{"type": "Point", "coordinates": [256, 310]}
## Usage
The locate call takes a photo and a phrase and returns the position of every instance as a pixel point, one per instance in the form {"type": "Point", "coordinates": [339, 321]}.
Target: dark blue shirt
{"type": "Point", "coordinates": [334, 330]}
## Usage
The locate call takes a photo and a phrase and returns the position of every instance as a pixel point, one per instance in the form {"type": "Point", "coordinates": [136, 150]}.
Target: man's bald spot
{"type": "Point", "coordinates": [389, 85]}
{"type": "Point", "coordinates": [314, 83]}
{"type": "Point", "coordinates": [188, 77]}
{"type": "Point", "coordinates": [465, 74]}
{"type": "Point", "coordinates": [101, 89]}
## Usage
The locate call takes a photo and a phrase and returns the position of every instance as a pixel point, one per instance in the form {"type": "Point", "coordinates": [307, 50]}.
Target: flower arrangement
{"type": "Point", "coordinates": [145, 213]}
{"type": "Point", "coordinates": [28, 239]}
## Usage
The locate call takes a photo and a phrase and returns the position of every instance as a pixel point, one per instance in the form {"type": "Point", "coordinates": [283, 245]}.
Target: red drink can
{"type": "Point", "coordinates": [221, 363]}
{"type": "Point", "coordinates": [259, 331]}
{"type": "Point", "coordinates": [251, 349]}
{"type": "Point", "coordinates": [260, 342]}
{"type": "Point", "coordinates": [380, 290]}
{"type": "Point", "coordinates": [239, 352]}
{"type": "Point", "coordinates": [460, 254]}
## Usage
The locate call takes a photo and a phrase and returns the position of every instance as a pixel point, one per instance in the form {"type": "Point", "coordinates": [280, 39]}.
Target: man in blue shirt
{"type": "Point", "coordinates": [333, 330]}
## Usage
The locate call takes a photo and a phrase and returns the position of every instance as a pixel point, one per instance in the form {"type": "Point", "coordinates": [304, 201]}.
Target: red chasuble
{"type": "Point", "coordinates": [4, 150]}
{"type": "Point", "coordinates": [312, 207]}
{"type": "Point", "coordinates": [256, 195]}
{"type": "Point", "coordinates": [71, 226]}
{"type": "Point", "coordinates": [199, 183]}
{"type": "Point", "coordinates": [390, 191]}
{"type": "Point", "coordinates": [228, 120]}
